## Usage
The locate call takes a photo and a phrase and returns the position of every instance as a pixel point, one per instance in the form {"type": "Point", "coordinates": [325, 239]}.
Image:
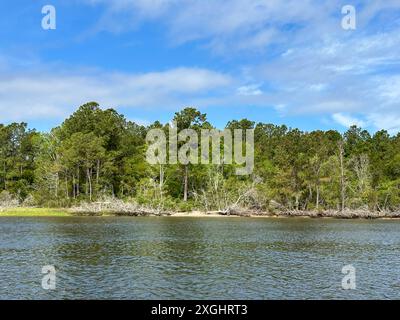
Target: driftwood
{"type": "Point", "coordinates": [118, 207]}
{"type": "Point", "coordinates": [345, 214]}
{"type": "Point", "coordinates": [114, 206]}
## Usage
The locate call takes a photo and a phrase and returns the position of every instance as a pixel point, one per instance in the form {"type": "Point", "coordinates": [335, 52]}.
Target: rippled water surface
{"type": "Point", "coordinates": [206, 258]}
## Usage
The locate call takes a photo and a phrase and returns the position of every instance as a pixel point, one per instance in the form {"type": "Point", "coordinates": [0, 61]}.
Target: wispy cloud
{"type": "Point", "coordinates": [239, 24]}
{"type": "Point", "coordinates": [290, 56]}
{"type": "Point", "coordinates": [388, 121]}
{"type": "Point", "coordinates": [347, 120]}
{"type": "Point", "coordinates": [250, 90]}
{"type": "Point", "coordinates": [55, 94]}
{"type": "Point", "coordinates": [320, 68]}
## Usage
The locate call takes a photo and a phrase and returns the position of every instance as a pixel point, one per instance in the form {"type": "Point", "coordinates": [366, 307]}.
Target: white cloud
{"type": "Point", "coordinates": [224, 25]}
{"type": "Point", "coordinates": [315, 66]}
{"type": "Point", "coordinates": [317, 79]}
{"type": "Point", "coordinates": [249, 90]}
{"type": "Point", "coordinates": [389, 89]}
{"type": "Point", "coordinates": [241, 24]}
{"type": "Point", "coordinates": [306, 63]}
{"type": "Point", "coordinates": [55, 94]}
{"type": "Point", "coordinates": [320, 69]}
{"type": "Point", "coordinates": [347, 120]}
{"type": "Point", "coordinates": [391, 121]}
{"type": "Point", "coordinates": [281, 109]}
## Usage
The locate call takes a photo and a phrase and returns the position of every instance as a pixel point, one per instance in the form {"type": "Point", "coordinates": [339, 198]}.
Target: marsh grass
{"type": "Point", "coordinates": [34, 212]}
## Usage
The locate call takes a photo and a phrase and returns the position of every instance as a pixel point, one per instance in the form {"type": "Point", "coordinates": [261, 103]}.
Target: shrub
{"type": "Point", "coordinates": [7, 200]}
{"type": "Point", "coordinates": [29, 201]}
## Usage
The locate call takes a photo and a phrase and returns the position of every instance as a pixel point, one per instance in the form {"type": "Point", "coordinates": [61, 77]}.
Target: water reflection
{"type": "Point", "coordinates": [175, 258]}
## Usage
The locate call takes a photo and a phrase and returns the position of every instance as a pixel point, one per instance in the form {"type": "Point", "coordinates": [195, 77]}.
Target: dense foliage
{"type": "Point", "coordinates": [97, 153]}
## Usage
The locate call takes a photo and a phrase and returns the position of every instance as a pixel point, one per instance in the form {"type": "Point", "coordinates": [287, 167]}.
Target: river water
{"type": "Point", "coordinates": [198, 258]}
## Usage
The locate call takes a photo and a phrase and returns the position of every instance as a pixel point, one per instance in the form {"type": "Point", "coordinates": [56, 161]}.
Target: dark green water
{"type": "Point", "coordinates": [206, 258]}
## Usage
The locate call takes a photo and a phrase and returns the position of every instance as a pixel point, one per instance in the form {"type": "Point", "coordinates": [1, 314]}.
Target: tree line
{"type": "Point", "coordinates": [98, 153]}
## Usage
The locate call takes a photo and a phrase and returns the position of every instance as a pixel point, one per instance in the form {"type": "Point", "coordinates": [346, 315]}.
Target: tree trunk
{"type": "Point", "coordinates": [77, 183]}
{"type": "Point", "coordinates": [66, 186]}
{"type": "Point", "coordinates": [161, 177]}
{"type": "Point", "coordinates": [73, 187]}
{"type": "Point", "coordinates": [342, 176]}
{"type": "Point", "coordinates": [86, 184]}
{"type": "Point", "coordinates": [97, 175]}
{"type": "Point", "coordinates": [5, 175]}
{"type": "Point", "coordinates": [56, 186]}
{"type": "Point", "coordinates": [89, 173]}
{"type": "Point", "coordinates": [161, 186]}
{"type": "Point", "coordinates": [185, 188]}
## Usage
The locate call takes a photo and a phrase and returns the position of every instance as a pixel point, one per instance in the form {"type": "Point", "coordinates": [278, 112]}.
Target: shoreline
{"type": "Point", "coordinates": [65, 212]}
{"type": "Point", "coordinates": [280, 215]}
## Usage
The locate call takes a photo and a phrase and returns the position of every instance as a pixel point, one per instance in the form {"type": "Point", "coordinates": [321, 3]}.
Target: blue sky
{"type": "Point", "coordinates": [284, 62]}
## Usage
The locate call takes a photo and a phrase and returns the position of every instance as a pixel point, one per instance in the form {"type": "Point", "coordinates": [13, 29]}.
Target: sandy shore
{"type": "Point", "coordinates": [195, 214]}
{"type": "Point", "coordinates": [347, 214]}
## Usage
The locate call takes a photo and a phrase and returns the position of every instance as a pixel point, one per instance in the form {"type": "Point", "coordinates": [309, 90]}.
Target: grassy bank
{"type": "Point", "coordinates": [35, 212]}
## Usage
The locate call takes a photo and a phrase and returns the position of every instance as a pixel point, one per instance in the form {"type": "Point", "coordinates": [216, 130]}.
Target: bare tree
{"type": "Point", "coordinates": [342, 176]}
